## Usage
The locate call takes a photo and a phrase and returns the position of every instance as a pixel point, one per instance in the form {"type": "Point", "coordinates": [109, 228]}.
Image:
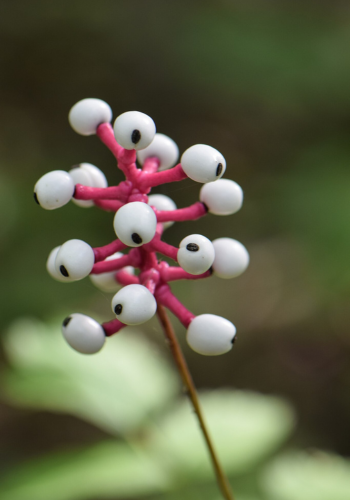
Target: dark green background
{"type": "Point", "coordinates": [268, 84]}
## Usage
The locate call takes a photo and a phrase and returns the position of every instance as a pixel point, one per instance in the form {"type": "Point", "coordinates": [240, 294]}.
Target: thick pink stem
{"type": "Point", "coordinates": [160, 246]}
{"type": "Point", "coordinates": [112, 327]}
{"type": "Point", "coordinates": [151, 165]}
{"type": "Point", "coordinates": [164, 295]}
{"type": "Point", "coordinates": [101, 253]}
{"type": "Point", "coordinates": [127, 163]}
{"type": "Point", "coordinates": [111, 265]}
{"type": "Point", "coordinates": [177, 273]}
{"type": "Point", "coordinates": [192, 212]}
{"type": "Point", "coordinates": [149, 279]}
{"type": "Point", "coordinates": [109, 205]}
{"type": "Point", "coordinates": [126, 158]}
{"type": "Point", "coordinates": [106, 134]}
{"type": "Point", "coordinates": [148, 180]}
{"type": "Point", "coordinates": [125, 278]}
{"type": "Point", "coordinates": [120, 192]}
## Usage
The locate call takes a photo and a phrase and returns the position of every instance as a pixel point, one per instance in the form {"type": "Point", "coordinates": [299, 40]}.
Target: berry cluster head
{"type": "Point", "coordinates": [139, 222]}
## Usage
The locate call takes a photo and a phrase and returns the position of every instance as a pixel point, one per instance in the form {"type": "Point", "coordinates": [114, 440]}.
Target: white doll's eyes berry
{"type": "Point", "coordinates": [134, 304]}
{"type": "Point", "coordinates": [134, 130]}
{"type": "Point", "coordinates": [54, 189]}
{"type": "Point", "coordinates": [162, 202]}
{"type": "Point", "coordinates": [163, 148]}
{"type": "Point", "coordinates": [210, 335]}
{"type": "Point", "coordinates": [74, 260]}
{"type": "Point", "coordinates": [135, 224]}
{"type": "Point", "coordinates": [83, 334]}
{"type": "Point", "coordinates": [203, 163]}
{"type": "Point", "coordinates": [222, 197]}
{"type": "Point", "coordinates": [50, 265]}
{"type": "Point", "coordinates": [106, 282]}
{"type": "Point", "coordinates": [97, 177]}
{"type": "Point", "coordinates": [87, 175]}
{"type": "Point", "coordinates": [86, 115]}
{"type": "Point", "coordinates": [231, 258]}
{"type": "Point", "coordinates": [196, 254]}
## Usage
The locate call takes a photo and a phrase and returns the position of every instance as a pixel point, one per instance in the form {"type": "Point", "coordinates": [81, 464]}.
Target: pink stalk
{"type": "Point", "coordinates": [112, 327]}
{"type": "Point", "coordinates": [120, 192]}
{"type": "Point", "coordinates": [109, 205]}
{"type": "Point", "coordinates": [166, 298]}
{"type": "Point", "coordinates": [151, 165]}
{"type": "Point", "coordinates": [160, 246]}
{"type": "Point", "coordinates": [148, 180]}
{"type": "Point", "coordinates": [101, 253]}
{"type": "Point", "coordinates": [125, 278]}
{"type": "Point", "coordinates": [111, 265]}
{"type": "Point", "coordinates": [150, 277]}
{"type": "Point", "coordinates": [192, 212]}
{"type": "Point", "coordinates": [126, 158]}
{"type": "Point", "coordinates": [106, 134]}
{"type": "Point", "coordinates": [177, 273]}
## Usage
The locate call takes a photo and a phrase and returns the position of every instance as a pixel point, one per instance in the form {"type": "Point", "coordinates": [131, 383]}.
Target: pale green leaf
{"type": "Point", "coordinates": [116, 389]}
{"type": "Point", "coordinates": [245, 427]}
{"type": "Point", "coordinates": [307, 476]}
{"type": "Point", "coordinates": [106, 470]}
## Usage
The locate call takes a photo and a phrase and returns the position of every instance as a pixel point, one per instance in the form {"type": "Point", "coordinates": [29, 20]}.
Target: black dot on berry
{"type": "Point", "coordinates": [136, 238]}
{"type": "Point", "coordinates": [64, 271]}
{"type": "Point", "coordinates": [118, 309]}
{"type": "Point", "coordinates": [192, 247]}
{"type": "Point", "coordinates": [36, 199]}
{"type": "Point", "coordinates": [219, 169]}
{"type": "Point", "coordinates": [66, 321]}
{"type": "Point", "coordinates": [233, 340]}
{"type": "Point", "coordinates": [135, 136]}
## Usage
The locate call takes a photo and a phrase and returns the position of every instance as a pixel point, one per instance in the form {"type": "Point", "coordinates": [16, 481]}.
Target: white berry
{"type": "Point", "coordinates": [163, 148]}
{"type": "Point", "coordinates": [83, 334]}
{"type": "Point", "coordinates": [135, 224]}
{"type": "Point", "coordinates": [134, 130]}
{"type": "Point", "coordinates": [98, 178]}
{"type": "Point", "coordinates": [106, 282]}
{"type": "Point", "coordinates": [210, 335]}
{"type": "Point", "coordinates": [162, 202]}
{"type": "Point", "coordinates": [86, 115]}
{"type": "Point", "coordinates": [87, 175]}
{"type": "Point", "coordinates": [231, 258]}
{"type": "Point", "coordinates": [74, 260]}
{"type": "Point", "coordinates": [203, 163]}
{"type": "Point", "coordinates": [50, 265]}
{"type": "Point", "coordinates": [54, 189]}
{"type": "Point", "coordinates": [196, 254]}
{"type": "Point", "coordinates": [222, 197]}
{"type": "Point", "coordinates": [134, 304]}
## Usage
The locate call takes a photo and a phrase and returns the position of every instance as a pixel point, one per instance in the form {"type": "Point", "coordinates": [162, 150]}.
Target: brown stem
{"type": "Point", "coordinates": [192, 393]}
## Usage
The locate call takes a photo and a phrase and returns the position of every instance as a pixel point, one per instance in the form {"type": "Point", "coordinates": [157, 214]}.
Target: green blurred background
{"type": "Point", "coordinates": [267, 84]}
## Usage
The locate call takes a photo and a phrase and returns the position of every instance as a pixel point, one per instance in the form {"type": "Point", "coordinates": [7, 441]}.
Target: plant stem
{"type": "Point", "coordinates": [192, 393]}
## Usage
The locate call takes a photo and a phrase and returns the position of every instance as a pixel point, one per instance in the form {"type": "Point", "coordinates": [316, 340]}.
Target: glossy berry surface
{"type": "Point", "coordinates": [137, 231]}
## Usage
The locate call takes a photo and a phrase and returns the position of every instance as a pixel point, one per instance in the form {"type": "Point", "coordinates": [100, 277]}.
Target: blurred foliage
{"type": "Point", "coordinates": [117, 390]}
{"type": "Point", "coordinates": [307, 476]}
{"type": "Point", "coordinates": [267, 84]}
{"type": "Point", "coordinates": [109, 390]}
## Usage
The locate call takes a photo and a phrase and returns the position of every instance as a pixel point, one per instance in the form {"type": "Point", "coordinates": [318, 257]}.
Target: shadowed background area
{"type": "Point", "coordinates": [267, 84]}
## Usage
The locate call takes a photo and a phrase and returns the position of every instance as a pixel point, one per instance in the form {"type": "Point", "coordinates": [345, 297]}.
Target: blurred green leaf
{"type": "Point", "coordinates": [106, 470]}
{"type": "Point", "coordinates": [307, 476]}
{"type": "Point", "coordinates": [116, 389]}
{"type": "Point", "coordinates": [245, 428]}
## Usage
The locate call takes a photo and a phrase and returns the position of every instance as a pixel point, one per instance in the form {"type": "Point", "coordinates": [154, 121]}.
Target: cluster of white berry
{"type": "Point", "coordinates": [139, 222]}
